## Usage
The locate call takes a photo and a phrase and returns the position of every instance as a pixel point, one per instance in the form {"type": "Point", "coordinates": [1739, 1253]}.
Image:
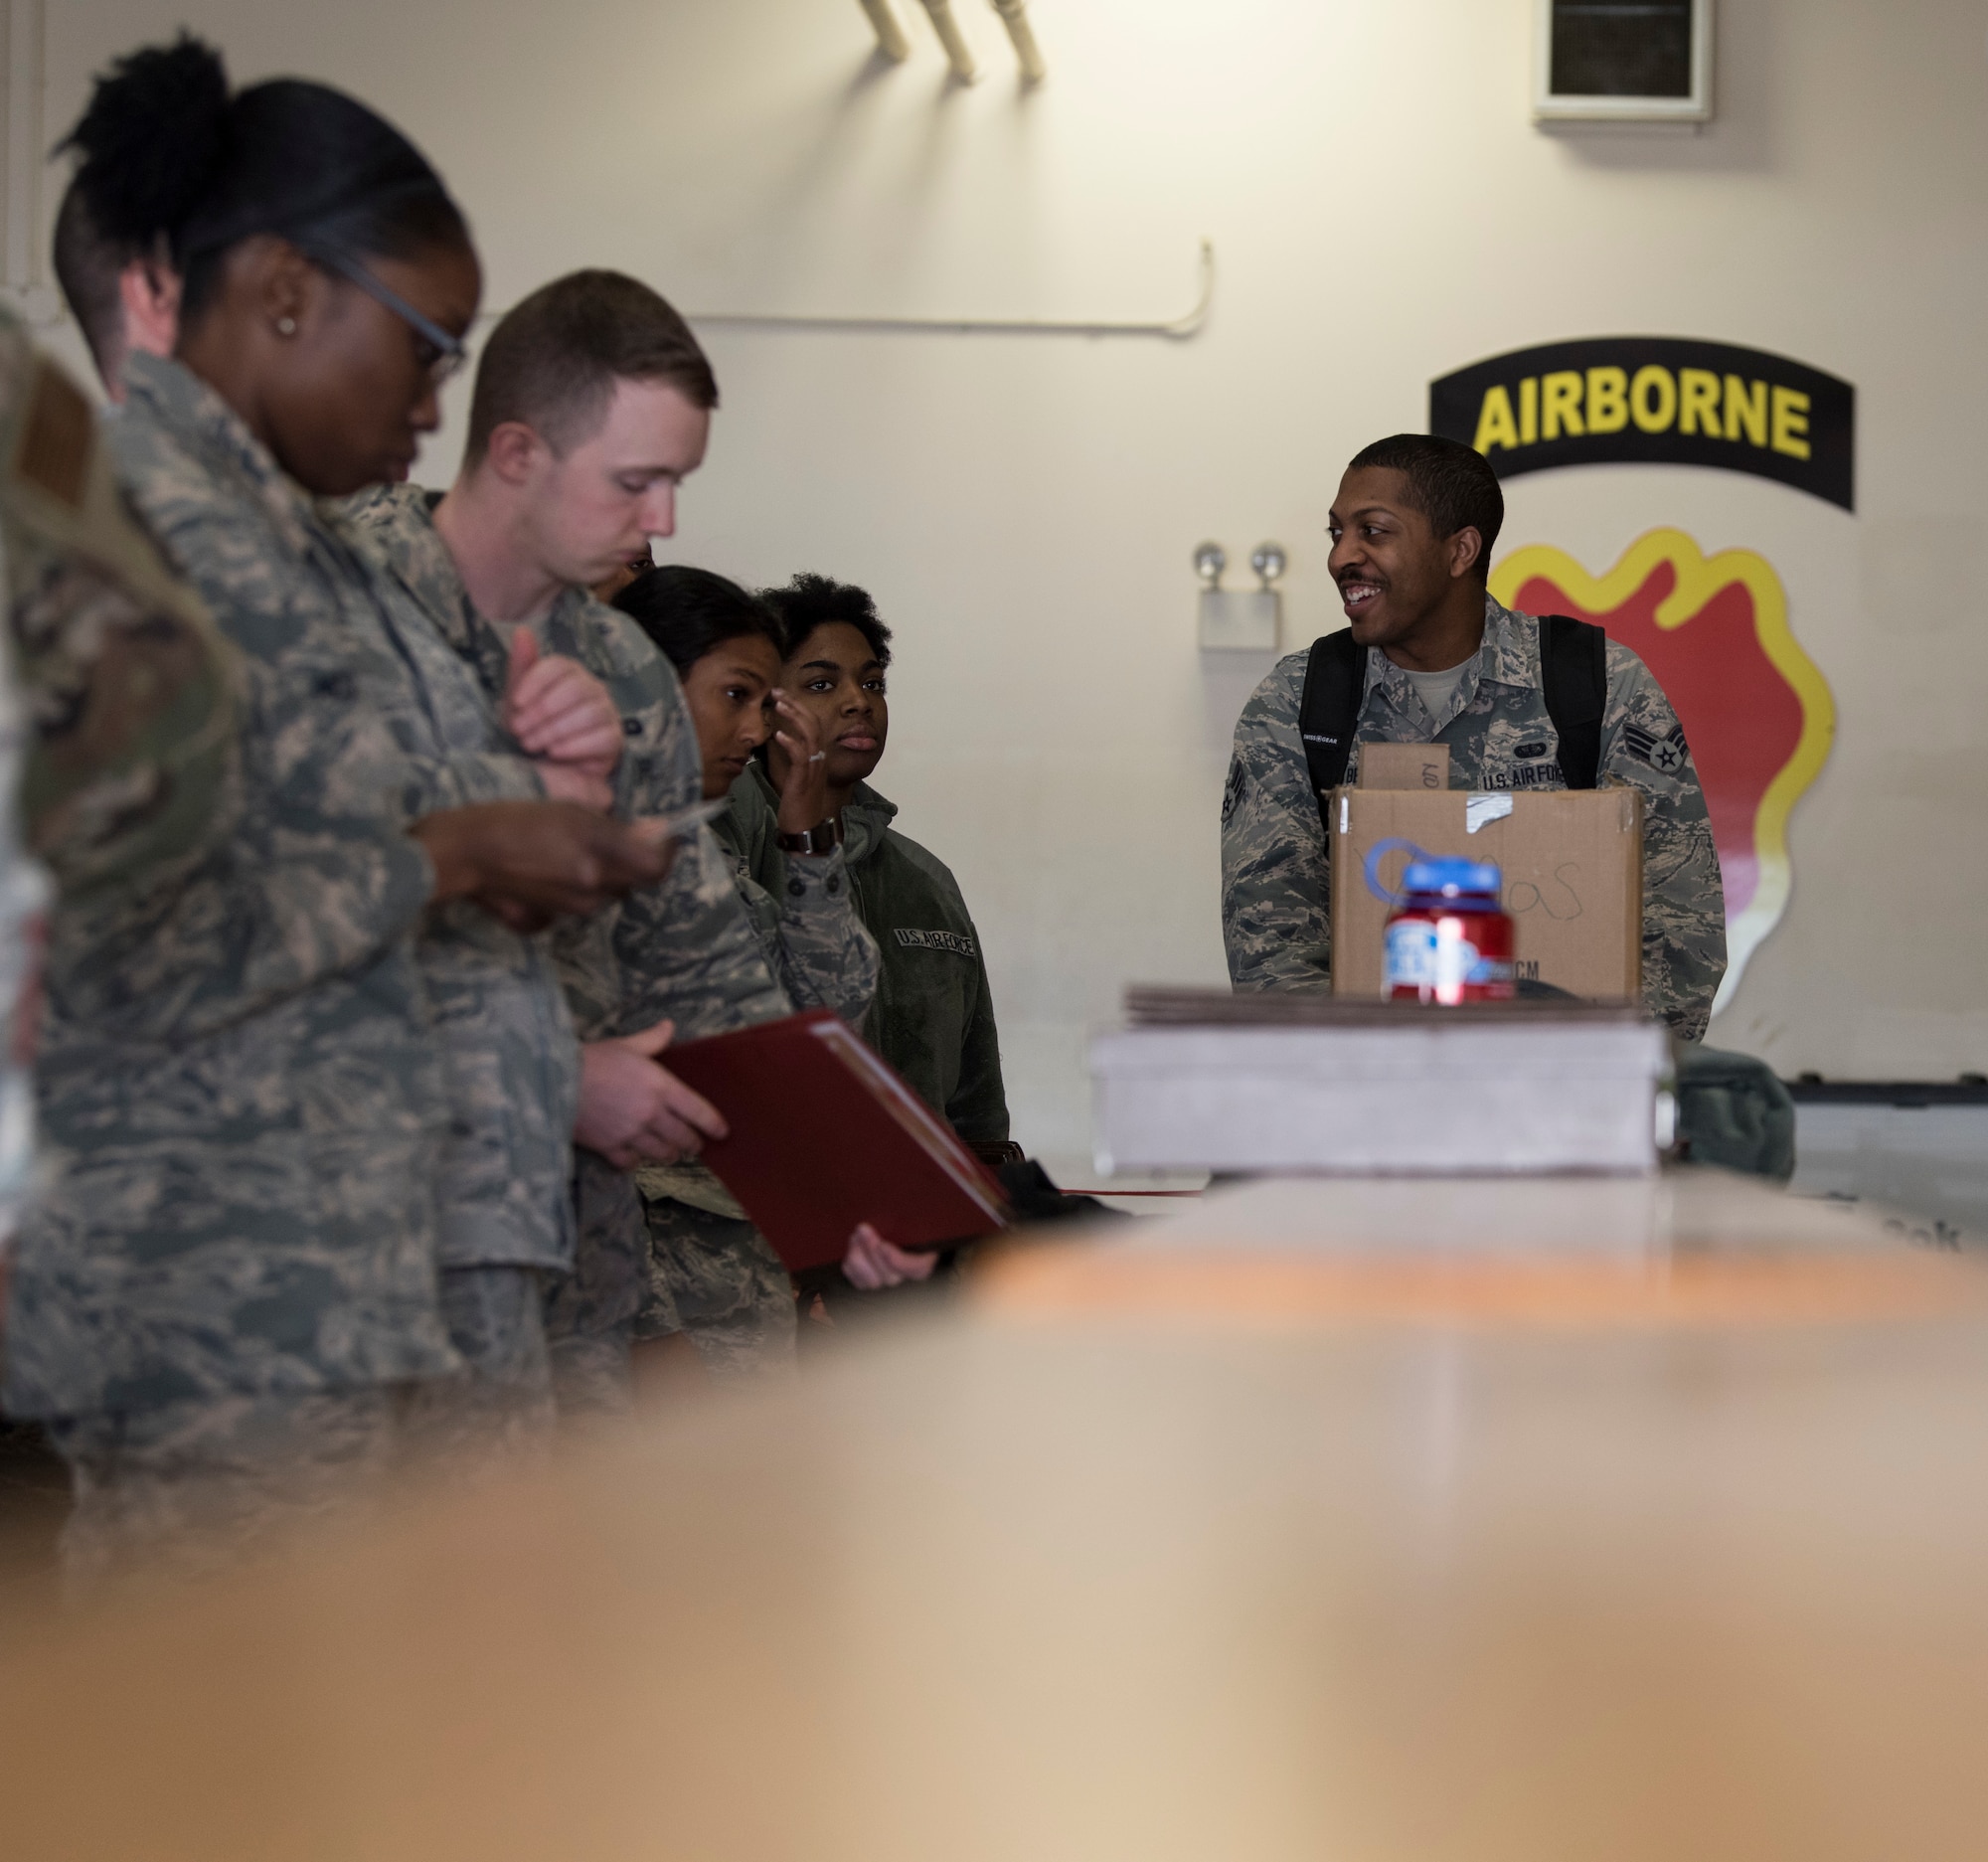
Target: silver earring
{"type": "Point", "coordinates": [286, 326]}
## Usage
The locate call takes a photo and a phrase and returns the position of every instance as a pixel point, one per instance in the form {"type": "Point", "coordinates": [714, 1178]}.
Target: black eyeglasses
{"type": "Point", "coordinates": [448, 354]}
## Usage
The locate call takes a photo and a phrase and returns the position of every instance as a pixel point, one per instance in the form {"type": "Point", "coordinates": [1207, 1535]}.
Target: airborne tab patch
{"type": "Point", "coordinates": [1671, 400]}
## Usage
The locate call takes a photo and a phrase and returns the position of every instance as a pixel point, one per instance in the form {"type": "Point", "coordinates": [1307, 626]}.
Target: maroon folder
{"type": "Point", "coordinates": [825, 1135]}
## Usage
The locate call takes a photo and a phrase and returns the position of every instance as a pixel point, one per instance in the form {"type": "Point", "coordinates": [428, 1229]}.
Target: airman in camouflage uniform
{"type": "Point", "coordinates": [1275, 880]}
{"type": "Point", "coordinates": [802, 907]}
{"type": "Point", "coordinates": [243, 1099]}
{"type": "Point", "coordinates": [122, 723]}
{"type": "Point", "coordinates": [131, 692]}
{"type": "Point", "coordinates": [505, 1223]}
{"type": "Point", "coordinates": [683, 951]}
{"type": "Point", "coordinates": [710, 1272]}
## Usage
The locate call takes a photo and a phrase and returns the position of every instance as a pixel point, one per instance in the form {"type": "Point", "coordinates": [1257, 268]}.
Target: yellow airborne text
{"type": "Point", "coordinates": [1570, 404]}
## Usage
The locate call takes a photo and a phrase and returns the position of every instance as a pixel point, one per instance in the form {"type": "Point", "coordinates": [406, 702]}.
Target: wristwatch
{"type": "Point", "coordinates": [823, 837]}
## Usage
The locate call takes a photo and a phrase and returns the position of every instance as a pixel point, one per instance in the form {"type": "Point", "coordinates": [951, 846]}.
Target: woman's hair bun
{"type": "Point", "coordinates": [152, 139]}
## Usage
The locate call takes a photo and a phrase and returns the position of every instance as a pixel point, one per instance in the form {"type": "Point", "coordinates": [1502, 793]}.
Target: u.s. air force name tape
{"type": "Point", "coordinates": [1655, 399]}
{"type": "Point", "coordinates": [936, 941]}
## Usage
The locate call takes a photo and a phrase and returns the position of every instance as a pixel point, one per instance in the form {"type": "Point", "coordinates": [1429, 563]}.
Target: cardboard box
{"type": "Point", "coordinates": [1573, 864]}
{"type": "Point", "coordinates": [1404, 766]}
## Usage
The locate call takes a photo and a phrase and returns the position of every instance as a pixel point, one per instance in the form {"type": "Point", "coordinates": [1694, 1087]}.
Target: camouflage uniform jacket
{"type": "Point", "coordinates": [682, 950]}
{"type": "Point", "coordinates": [802, 910]}
{"type": "Point", "coordinates": [711, 1275]}
{"type": "Point", "coordinates": [499, 1012]}
{"type": "Point", "coordinates": [239, 1080]}
{"type": "Point", "coordinates": [1275, 917]}
{"type": "Point", "coordinates": [132, 771]}
{"type": "Point", "coordinates": [933, 1018]}
{"type": "Point", "coordinates": [122, 730]}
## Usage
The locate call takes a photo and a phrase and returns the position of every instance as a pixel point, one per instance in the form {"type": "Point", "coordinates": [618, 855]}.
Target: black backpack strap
{"type": "Point", "coordinates": [1574, 669]}
{"type": "Point", "coordinates": [1329, 713]}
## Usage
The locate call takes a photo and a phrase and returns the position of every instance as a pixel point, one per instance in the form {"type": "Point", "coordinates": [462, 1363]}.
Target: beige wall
{"type": "Point", "coordinates": [1383, 212]}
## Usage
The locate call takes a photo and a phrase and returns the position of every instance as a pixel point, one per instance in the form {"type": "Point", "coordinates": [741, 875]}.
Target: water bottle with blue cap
{"type": "Point", "coordinates": [1448, 939]}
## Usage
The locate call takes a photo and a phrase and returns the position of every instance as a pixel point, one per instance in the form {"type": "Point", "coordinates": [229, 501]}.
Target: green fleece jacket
{"type": "Point", "coordinates": [933, 1016]}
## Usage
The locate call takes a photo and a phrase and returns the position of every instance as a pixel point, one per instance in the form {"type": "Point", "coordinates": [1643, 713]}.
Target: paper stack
{"type": "Point", "coordinates": [1285, 1083]}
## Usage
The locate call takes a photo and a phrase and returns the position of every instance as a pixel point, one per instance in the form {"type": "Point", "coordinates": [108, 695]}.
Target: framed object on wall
{"type": "Point", "coordinates": [1622, 60]}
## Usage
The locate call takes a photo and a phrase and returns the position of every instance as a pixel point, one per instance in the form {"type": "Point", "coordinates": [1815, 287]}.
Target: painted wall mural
{"type": "Point", "coordinates": [1755, 711]}
{"type": "Point", "coordinates": [1755, 708]}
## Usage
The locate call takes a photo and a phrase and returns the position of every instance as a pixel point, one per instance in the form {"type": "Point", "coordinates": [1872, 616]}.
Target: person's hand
{"type": "Point", "coordinates": [565, 721]}
{"type": "Point", "coordinates": [530, 862]}
{"type": "Point", "coordinates": [633, 1113]}
{"type": "Point", "coordinates": [804, 792]}
{"type": "Point", "coordinates": [872, 1264]}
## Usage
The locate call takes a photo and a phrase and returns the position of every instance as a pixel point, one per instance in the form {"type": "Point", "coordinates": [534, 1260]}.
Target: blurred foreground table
{"type": "Point", "coordinates": [1683, 1244]}
{"type": "Point", "coordinates": [1429, 1572]}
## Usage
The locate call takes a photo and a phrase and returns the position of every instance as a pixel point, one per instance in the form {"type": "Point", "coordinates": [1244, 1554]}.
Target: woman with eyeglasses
{"type": "Point", "coordinates": [278, 1225]}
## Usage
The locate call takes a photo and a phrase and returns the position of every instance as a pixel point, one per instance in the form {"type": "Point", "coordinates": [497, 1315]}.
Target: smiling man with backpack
{"type": "Point", "coordinates": [1522, 702]}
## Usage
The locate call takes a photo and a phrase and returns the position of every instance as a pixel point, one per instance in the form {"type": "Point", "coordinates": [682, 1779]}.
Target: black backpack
{"type": "Point", "coordinates": [1574, 668]}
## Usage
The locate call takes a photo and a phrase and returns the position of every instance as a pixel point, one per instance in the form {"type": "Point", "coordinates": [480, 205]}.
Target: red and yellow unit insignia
{"type": "Point", "coordinates": [1752, 706]}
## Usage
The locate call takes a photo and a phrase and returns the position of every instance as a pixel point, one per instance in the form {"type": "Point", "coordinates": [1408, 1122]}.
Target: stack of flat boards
{"type": "Point", "coordinates": [1288, 1083]}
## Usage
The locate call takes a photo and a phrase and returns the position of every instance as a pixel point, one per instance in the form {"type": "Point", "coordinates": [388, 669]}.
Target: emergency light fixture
{"type": "Point", "coordinates": [1247, 618]}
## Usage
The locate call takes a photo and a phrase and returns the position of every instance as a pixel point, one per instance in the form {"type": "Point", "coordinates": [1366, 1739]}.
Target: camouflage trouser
{"type": "Point", "coordinates": [184, 1488]}
{"type": "Point", "coordinates": [716, 1279]}
{"type": "Point", "coordinates": [187, 1488]}
{"type": "Point", "coordinates": [592, 1374]}
{"type": "Point", "coordinates": [501, 1402]}
{"type": "Point", "coordinates": [591, 1311]}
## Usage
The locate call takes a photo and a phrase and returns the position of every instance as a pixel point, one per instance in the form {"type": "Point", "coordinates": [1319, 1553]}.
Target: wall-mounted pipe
{"type": "Point", "coordinates": [1179, 329]}
{"type": "Point", "coordinates": [1015, 16]}
{"type": "Point", "coordinates": [949, 35]}
{"type": "Point", "coordinates": [1171, 329]}
{"type": "Point", "coordinates": [890, 40]}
